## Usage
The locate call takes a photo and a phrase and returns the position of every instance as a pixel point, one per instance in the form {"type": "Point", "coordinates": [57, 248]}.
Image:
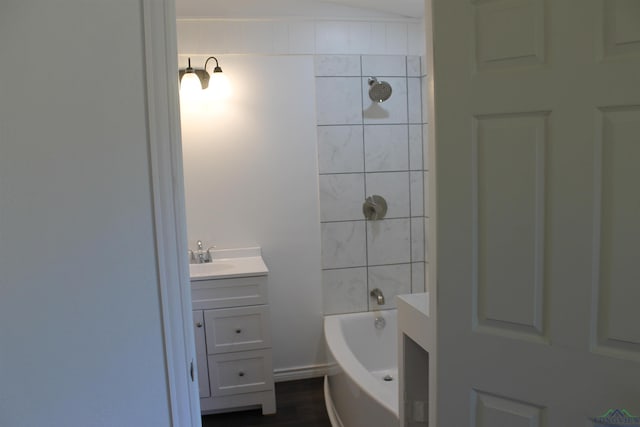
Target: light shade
{"type": "Point", "coordinates": [219, 87]}
{"type": "Point", "coordinates": [190, 87]}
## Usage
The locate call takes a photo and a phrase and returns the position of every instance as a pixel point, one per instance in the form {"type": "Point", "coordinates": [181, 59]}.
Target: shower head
{"type": "Point", "coordinates": [379, 91]}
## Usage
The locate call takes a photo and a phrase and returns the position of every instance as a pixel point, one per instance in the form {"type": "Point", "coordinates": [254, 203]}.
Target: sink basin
{"type": "Point", "coordinates": [222, 266]}
{"type": "Point", "coordinates": [210, 269]}
{"type": "Point", "coordinates": [236, 266]}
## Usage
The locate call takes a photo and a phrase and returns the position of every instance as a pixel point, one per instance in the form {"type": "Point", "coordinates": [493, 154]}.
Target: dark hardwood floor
{"type": "Point", "coordinates": [299, 403]}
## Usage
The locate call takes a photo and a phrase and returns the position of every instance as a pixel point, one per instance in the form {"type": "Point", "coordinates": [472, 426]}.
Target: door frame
{"type": "Point", "coordinates": [167, 183]}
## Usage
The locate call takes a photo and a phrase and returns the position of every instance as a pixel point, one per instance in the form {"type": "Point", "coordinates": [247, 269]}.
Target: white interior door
{"type": "Point", "coordinates": [538, 133]}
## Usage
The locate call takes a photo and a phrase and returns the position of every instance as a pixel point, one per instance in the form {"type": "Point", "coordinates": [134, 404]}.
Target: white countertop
{"type": "Point", "coordinates": [419, 301]}
{"type": "Point", "coordinates": [413, 316]}
{"type": "Point", "coordinates": [228, 263]}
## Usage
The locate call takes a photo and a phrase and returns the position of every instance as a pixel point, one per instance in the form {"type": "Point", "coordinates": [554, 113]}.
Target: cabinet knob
{"type": "Point", "coordinates": [238, 331]}
{"type": "Point", "coordinates": [199, 324]}
{"type": "Point", "coordinates": [241, 374]}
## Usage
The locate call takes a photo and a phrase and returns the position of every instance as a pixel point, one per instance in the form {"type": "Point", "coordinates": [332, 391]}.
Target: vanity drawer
{"type": "Point", "coordinates": [237, 329]}
{"type": "Point", "coordinates": [245, 372]}
{"type": "Point", "coordinates": [236, 292]}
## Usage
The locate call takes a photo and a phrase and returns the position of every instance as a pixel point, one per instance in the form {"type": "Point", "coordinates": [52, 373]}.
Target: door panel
{"type": "Point", "coordinates": [538, 154]}
{"type": "Point", "coordinates": [617, 176]}
{"type": "Point", "coordinates": [523, 20]}
{"type": "Point", "coordinates": [620, 32]}
{"type": "Point", "coordinates": [489, 410]}
{"type": "Point", "coordinates": [508, 161]}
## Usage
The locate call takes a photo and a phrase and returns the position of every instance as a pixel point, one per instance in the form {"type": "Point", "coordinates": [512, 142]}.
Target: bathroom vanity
{"type": "Point", "coordinates": [232, 332]}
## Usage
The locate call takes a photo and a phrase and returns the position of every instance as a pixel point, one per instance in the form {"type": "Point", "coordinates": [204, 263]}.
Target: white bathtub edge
{"type": "Point", "coordinates": [331, 410]}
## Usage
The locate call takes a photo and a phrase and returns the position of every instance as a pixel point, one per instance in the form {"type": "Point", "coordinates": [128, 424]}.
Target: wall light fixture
{"type": "Point", "coordinates": [197, 81]}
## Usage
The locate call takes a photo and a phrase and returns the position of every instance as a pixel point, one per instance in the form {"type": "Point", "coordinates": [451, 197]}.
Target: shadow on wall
{"type": "Point", "coordinates": [375, 111]}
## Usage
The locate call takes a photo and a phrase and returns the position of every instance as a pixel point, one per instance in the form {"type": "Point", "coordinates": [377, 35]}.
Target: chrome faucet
{"type": "Point", "coordinates": [377, 294]}
{"type": "Point", "coordinates": [200, 256]}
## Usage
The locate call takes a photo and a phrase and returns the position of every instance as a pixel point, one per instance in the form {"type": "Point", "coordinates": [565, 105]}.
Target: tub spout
{"type": "Point", "coordinates": [377, 294]}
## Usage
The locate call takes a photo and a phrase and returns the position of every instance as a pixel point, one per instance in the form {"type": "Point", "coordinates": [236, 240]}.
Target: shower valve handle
{"type": "Point", "coordinates": [374, 208]}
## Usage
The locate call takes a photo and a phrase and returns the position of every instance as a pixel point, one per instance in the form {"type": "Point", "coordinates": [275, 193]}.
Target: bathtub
{"type": "Point", "coordinates": [361, 356]}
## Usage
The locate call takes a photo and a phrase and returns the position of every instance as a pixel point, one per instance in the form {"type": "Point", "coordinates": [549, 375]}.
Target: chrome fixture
{"type": "Point", "coordinates": [374, 207]}
{"type": "Point", "coordinates": [379, 91]}
{"type": "Point", "coordinates": [200, 255]}
{"type": "Point", "coordinates": [379, 322]}
{"type": "Point", "coordinates": [196, 80]}
{"type": "Point", "coordinates": [377, 294]}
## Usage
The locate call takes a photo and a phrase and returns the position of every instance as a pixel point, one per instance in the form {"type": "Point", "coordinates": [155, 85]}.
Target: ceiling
{"type": "Point", "coordinates": [300, 8]}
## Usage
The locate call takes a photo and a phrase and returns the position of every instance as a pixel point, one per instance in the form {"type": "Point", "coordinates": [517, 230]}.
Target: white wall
{"type": "Point", "coordinates": [81, 341]}
{"type": "Point", "coordinates": [301, 36]}
{"type": "Point", "coordinates": [251, 179]}
{"type": "Point", "coordinates": [317, 8]}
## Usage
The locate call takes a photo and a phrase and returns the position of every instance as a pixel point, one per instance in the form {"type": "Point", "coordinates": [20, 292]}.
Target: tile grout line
{"type": "Point", "coordinates": [425, 186]}
{"type": "Point", "coordinates": [353, 267]}
{"type": "Point", "coordinates": [394, 218]}
{"type": "Point", "coordinates": [364, 168]}
{"type": "Point", "coordinates": [406, 69]}
{"type": "Point", "coordinates": [370, 124]}
{"type": "Point", "coordinates": [424, 206]}
{"type": "Point", "coordinates": [373, 172]}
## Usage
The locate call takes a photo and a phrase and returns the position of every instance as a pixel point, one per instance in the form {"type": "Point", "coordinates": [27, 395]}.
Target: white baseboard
{"type": "Point", "coordinates": [300, 373]}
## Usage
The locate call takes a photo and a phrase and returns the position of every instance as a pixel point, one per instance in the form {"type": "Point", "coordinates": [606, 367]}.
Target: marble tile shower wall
{"type": "Point", "coordinates": [366, 148]}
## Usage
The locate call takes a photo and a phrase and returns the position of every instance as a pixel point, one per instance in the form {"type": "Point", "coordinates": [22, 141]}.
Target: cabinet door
{"type": "Point", "coordinates": [237, 329]}
{"type": "Point", "coordinates": [201, 354]}
{"type": "Point", "coordinates": [243, 372]}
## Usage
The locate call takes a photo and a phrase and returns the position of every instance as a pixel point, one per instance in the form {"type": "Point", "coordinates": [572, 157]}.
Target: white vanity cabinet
{"type": "Point", "coordinates": [233, 343]}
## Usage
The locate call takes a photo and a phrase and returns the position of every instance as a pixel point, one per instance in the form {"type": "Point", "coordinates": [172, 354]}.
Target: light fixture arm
{"type": "Point", "coordinates": [189, 68]}
{"type": "Point", "coordinates": [217, 68]}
